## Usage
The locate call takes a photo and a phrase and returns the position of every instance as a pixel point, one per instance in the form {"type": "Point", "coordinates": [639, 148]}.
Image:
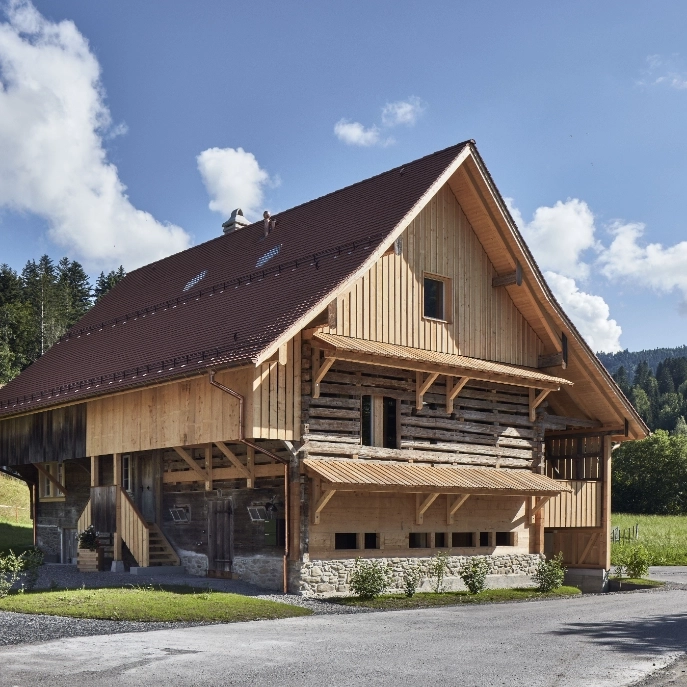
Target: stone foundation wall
{"type": "Point", "coordinates": [49, 542]}
{"type": "Point", "coordinates": [194, 563]}
{"type": "Point", "coordinates": [332, 577]}
{"type": "Point", "coordinates": [263, 571]}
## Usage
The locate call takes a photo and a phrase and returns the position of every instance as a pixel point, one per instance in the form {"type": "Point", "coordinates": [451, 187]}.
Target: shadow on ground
{"type": "Point", "coordinates": [658, 634]}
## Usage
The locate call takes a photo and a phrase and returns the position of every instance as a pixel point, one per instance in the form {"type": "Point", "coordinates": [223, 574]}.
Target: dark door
{"type": "Point", "coordinates": [145, 492]}
{"type": "Point", "coordinates": [219, 536]}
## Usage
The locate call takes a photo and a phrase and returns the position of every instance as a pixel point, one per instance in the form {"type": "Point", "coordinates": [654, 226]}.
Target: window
{"type": "Point", "coordinates": [379, 416]}
{"type": "Point", "coordinates": [371, 540]}
{"type": "Point", "coordinates": [506, 538]}
{"type": "Point", "coordinates": [462, 539]}
{"type": "Point", "coordinates": [345, 540]}
{"type": "Point", "coordinates": [180, 514]}
{"type": "Point", "coordinates": [484, 538]}
{"type": "Point", "coordinates": [418, 540]}
{"type": "Point", "coordinates": [126, 473]}
{"type": "Point", "coordinates": [437, 297]}
{"type": "Point", "coordinates": [440, 540]}
{"type": "Point", "coordinates": [46, 488]}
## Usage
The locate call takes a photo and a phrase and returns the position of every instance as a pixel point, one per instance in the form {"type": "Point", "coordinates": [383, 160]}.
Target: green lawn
{"type": "Point", "coordinates": [429, 599]}
{"type": "Point", "coordinates": [160, 603]}
{"type": "Point", "coordinates": [639, 580]}
{"type": "Point", "coordinates": [663, 536]}
{"type": "Point", "coordinates": [14, 500]}
{"type": "Point", "coordinates": [17, 537]}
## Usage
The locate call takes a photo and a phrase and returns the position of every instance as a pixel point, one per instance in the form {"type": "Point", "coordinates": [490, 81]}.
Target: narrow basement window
{"type": "Point", "coordinates": [484, 538]}
{"type": "Point", "coordinates": [418, 540]}
{"type": "Point", "coordinates": [506, 538]}
{"type": "Point", "coordinates": [371, 540]}
{"type": "Point", "coordinates": [345, 540]}
{"type": "Point", "coordinates": [439, 540]}
{"type": "Point", "coordinates": [462, 539]}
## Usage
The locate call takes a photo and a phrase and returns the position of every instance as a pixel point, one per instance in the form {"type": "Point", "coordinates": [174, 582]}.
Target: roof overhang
{"type": "Point", "coordinates": [365, 475]}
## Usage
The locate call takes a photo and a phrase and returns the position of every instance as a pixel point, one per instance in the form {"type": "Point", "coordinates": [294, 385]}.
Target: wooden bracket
{"type": "Point", "coordinates": [192, 463]}
{"type": "Point", "coordinates": [453, 390]}
{"type": "Point", "coordinates": [510, 278]}
{"type": "Point", "coordinates": [283, 354]}
{"type": "Point", "coordinates": [422, 385]}
{"type": "Point", "coordinates": [322, 502]}
{"type": "Point", "coordinates": [536, 504]}
{"type": "Point", "coordinates": [422, 506]}
{"type": "Point", "coordinates": [50, 478]}
{"type": "Point", "coordinates": [536, 400]}
{"type": "Point", "coordinates": [317, 378]}
{"type": "Point", "coordinates": [588, 548]}
{"type": "Point", "coordinates": [452, 508]}
{"type": "Point", "coordinates": [228, 453]}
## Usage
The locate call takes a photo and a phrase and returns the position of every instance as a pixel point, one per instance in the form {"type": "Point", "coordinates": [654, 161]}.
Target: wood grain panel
{"type": "Point", "coordinates": [579, 508]}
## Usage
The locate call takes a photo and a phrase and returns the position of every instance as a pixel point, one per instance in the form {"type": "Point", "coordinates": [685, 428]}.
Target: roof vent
{"type": "Point", "coordinates": [270, 224]}
{"type": "Point", "coordinates": [236, 221]}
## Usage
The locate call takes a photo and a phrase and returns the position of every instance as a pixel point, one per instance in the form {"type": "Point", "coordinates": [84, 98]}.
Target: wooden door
{"type": "Point", "coordinates": [220, 549]}
{"type": "Point", "coordinates": [145, 491]}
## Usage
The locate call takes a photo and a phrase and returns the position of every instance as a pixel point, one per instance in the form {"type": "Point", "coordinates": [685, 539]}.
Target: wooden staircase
{"type": "Point", "coordinates": [160, 551]}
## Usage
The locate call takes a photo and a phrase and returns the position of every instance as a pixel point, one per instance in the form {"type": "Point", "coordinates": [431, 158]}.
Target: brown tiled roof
{"type": "Point", "coordinates": [149, 328]}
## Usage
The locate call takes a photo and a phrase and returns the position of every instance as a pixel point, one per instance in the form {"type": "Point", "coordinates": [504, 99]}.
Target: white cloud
{"type": "Point", "coordinates": [53, 121]}
{"type": "Point", "coordinates": [234, 179]}
{"type": "Point", "coordinates": [559, 235]}
{"type": "Point", "coordinates": [662, 71]}
{"type": "Point", "coordinates": [355, 134]}
{"type": "Point", "coordinates": [590, 313]}
{"type": "Point", "coordinates": [653, 265]}
{"type": "Point", "coordinates": [402, 112]}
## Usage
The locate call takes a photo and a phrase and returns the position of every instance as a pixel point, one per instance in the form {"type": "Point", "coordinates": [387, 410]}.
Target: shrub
{"type": "Point", "coordinates": [88, 539]}
{"type": "Point", "coordinates": [411, 580]}
{"type": "Point", "coordinates": [474, 574]}
{"type": "Point", "coordinates": [550, 573]}
{"type": "Point", "coordinates": [438, 567]}
{"type": "Point", "coordinates": [369, 579]}
{"type": "Point", "coordinates": [31, 561]}
{"type": "Point", "coordinates": [632, 561]}
{"type": "Point", "coordinates": [11, 567]}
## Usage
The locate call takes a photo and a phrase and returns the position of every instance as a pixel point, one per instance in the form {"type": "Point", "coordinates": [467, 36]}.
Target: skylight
{"type": "Point", "coordinates": [272, 252]}
{"type": "Point", "coordinates": [195, 280]}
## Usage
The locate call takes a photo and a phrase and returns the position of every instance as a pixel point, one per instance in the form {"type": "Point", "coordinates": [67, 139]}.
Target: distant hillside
{"type": "Point", "coordinates": [630, 359]}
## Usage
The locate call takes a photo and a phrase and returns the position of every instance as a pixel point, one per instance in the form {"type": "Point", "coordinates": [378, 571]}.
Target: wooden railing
{"type": "Point", "coordinates": [84, 521]}
{"type": "Point", "coordinates": [135, 530]}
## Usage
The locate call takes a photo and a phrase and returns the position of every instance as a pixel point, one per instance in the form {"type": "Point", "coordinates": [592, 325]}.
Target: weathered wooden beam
{"type": "Point", "coordinates": [510, 279]}
{"type": "Point", "coordinates": [422, 506]}
{"type": "Point", "coordinates": [222, 474]}
{"type": "Point", "coordinates": [95, 471]}
{"type": "Point", "coordinates": [552, 360]}
{"type": "Point", "coordinates": [452, 507]}
{"type": "Point", "coordinates": [50, 478]}
{"type": "Point", "coordinates": [541, 502]}
{"type": "Point", "coordinates": [453, 390]}
{"type": "Point", "coordinates": [322, 502]}
{"type": "Point", "coordinates": [191, 462]}
{"type": "Point", "coordinates": [117, 534]}
{"type": "Point", "coordinates": [422, 385]}
{"type": "Point", "coordinates": [402, 489]}
{"type": "Point", "coordinates": [319, 376]}
{"type": "Point", "coordinates": [229, 454]}
{"type": "Point", "coordinates": [208, 467]}
{"type": "Point", "coordinates": [536, 400]}
{"type": "Point", "coordinates": [250, 465]}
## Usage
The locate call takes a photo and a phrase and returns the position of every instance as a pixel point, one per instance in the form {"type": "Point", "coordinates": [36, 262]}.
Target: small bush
{"type": "Point", "coordinates": [474, 575]}
{"type": "Point", "coordinates": [11, 567]}
{"type": "Point", "coordinates": [438, 567]}
{"type": "Point", "coordinates": [88, 539]}
{"type": "Point", "coordinates": [369, 579]}
{"type": "Point", "coordinates": [31, 562]}
{"type": "Point", "coordinates": [550, 573]}
{"type": "Point", "coordinates": [632, 561]}
{"type": "Point", "coordinates": [411, 581]}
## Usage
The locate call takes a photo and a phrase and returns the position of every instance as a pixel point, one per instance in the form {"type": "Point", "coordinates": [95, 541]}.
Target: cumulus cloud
{"type": "Point", "coordinates": [234, 179]}
{"type": "Point", "coordinates": [404, 112]}
{"type": "Point", "coordinates": [664, 71]}
{"type": "Point", "coordinates": [559, 235]}
{"type": "Point", "coordinates": [53, 121]}
{"type": "Point", "coordinates": [590, 313]}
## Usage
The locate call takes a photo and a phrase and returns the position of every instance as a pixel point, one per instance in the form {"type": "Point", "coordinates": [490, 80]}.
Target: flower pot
{"type": "Point", "coordinates": [88, 560]}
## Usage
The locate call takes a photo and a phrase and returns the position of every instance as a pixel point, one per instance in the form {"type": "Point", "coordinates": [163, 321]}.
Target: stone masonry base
{"type": "Point", "coordinates": [327, 578]}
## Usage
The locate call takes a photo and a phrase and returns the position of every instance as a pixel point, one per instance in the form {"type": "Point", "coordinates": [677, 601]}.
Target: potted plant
{"type": "Point", "coordinates": [90, 553]}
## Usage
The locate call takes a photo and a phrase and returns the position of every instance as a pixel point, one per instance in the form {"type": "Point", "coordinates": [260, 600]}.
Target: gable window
{"type": "Point", "coordinates": [436, 296]}
{"type": "Point", "coordinates": [379, 416]}
{"type": "Point", "coordinates": [46, 488]}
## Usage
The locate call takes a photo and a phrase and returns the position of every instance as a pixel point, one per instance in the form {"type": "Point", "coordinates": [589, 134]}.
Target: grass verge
{"type": "Point", "coordinates": [17, 537]}
{"type": "Point", "coordinates": [429, 599]}
{"type": "Point", "coordinates": [638, 580]}
{"type": "Point", "coordinates": [663, 536]}
{"type": "Point", "coordinates": [149, 604]}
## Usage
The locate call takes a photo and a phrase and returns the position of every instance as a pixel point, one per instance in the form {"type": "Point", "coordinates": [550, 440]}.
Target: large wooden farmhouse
{"type": "Point", "coordinates": [379, 373]}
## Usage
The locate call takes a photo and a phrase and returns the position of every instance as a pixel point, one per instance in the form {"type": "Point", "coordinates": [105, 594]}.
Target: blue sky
{"type": "Point", "coordinates": [578, 110]}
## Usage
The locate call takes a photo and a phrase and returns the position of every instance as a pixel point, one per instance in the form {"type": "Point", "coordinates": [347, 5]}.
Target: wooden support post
{"type": "Point", "coordinates": [95, 471]}
{"type": "Point", "coordinates": [605, 553]}
{"type": "Point", "coordinates": [191, 463]}
{"type": "Point", "coordinates": [50, 478]}
{"type": "Point", "coordinates": [322, 502]}
{"type": "Point", "coordinates": [536, 400]}
{"type": "Point", "coordinates": [208, 467]}
{"type": "Point", "coordinates": [541, 501]}
{"type": "Point", "coordinates": [452, 506]}
{"type": "Point", "coordinates": [453, 390]}
{"type": "Point", "coordinates": [422, 506]}
{"type": "Point", "coordinates": [117, 534]}
{"type": "Point", "coordinates": [250, 458]}
{"type": "Point", "coordinates": [422, 385]}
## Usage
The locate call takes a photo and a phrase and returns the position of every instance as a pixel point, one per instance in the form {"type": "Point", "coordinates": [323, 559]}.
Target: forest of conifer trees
{"type": "Point", "coordinates": [40, 304]}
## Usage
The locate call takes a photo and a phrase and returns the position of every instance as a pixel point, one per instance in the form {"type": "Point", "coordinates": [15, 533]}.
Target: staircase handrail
{"type": "Point", "coordinates": [135, 530]}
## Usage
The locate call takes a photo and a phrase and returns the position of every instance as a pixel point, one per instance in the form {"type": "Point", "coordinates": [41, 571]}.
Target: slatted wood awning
{"type": "Point", "coordinates": [364, 475]}
{"type": "Point", "coordinates": [393, 355]}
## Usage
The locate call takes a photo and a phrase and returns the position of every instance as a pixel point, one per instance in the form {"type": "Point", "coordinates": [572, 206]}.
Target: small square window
{"type": "Point", "coordinates": [345, 540]}
{"type": "Point", "coordinates": [484, 538]}
{"type": "Point", "coordinates": [371, 540]}
{"type": "Point", "coordinates": [439, 540]}
{"type": "Point", "coordinates": [418, 540]}
{"type": "Point", "coordinates": [434, 298]}
{"type": "Point", "coordinates": [462, 539]}
{"type": "Point", "coordinates": [505, 539]}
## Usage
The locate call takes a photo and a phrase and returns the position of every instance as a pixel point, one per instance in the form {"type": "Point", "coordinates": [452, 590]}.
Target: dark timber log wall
{"type": "Point", "coordinates": [53, 435]}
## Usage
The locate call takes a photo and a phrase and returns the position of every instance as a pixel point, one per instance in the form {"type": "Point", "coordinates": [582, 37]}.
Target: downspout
{"type": "Point", "coordinates": [242, 439]}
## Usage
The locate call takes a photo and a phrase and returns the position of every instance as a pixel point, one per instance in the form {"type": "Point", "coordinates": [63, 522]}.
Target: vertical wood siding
{"type": "Point", "coordinates": [386, 303]}
{"type": "Point", "coordinates": [579, 508]}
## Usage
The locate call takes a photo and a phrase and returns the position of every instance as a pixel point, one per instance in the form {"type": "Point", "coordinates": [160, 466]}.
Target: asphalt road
{"type": "Point", "coordinates": [613, 639]}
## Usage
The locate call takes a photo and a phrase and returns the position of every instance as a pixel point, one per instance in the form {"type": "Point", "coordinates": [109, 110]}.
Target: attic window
{"type": "Point", "coordinates": [195, 280]}
{"type": "Point", "coordinates": [257, 513]}
{"type": "Point", "coordinates": [271, 253]}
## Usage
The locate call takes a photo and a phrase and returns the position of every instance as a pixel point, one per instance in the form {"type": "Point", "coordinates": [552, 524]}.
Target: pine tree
{"type": "Point", "coordinates": [105, 282]}
{"type": "Point", "coordinates": [75, 291]}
